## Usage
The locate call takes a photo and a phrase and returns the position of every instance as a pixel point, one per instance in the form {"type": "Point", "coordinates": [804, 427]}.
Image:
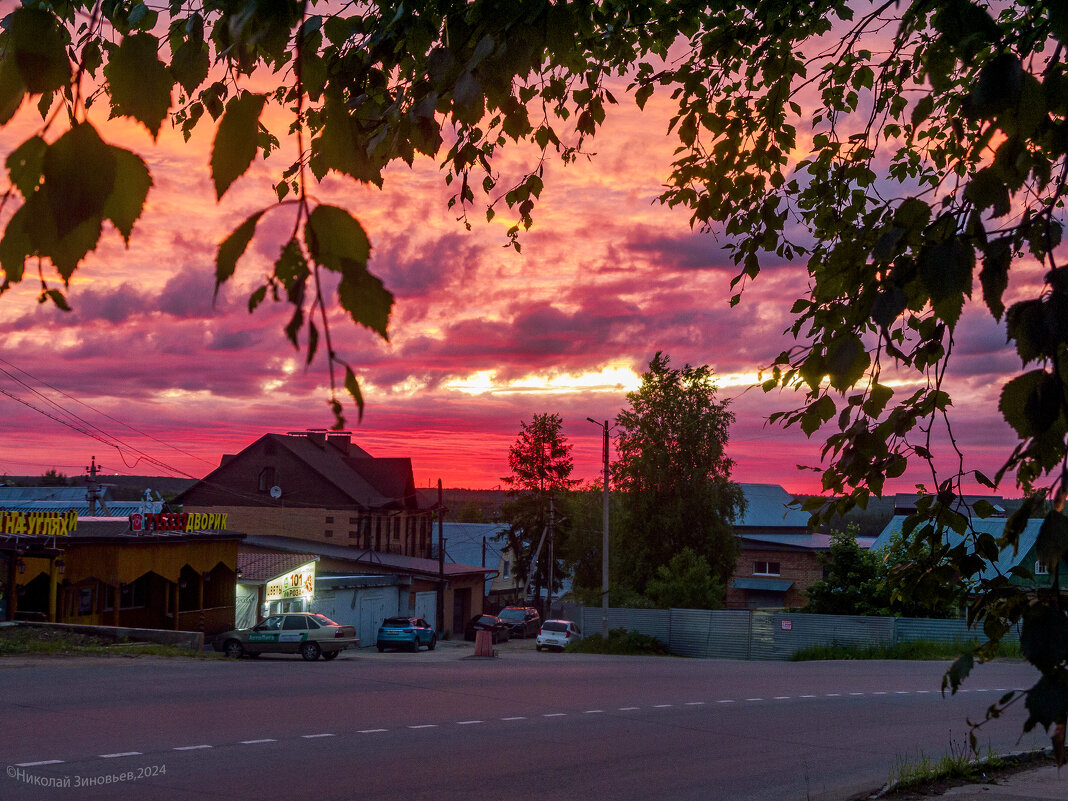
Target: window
{"type": "Point", "coordinates": [328, 533]}
{"type": "Point", "coordinates": [352, 535]}
{"type": "Point", "coordinates": [329, 518]}
{"type": "Point", "coordinates": [295, 622]}
{"type": "Point", "coordinates": [266, 479]}
{"type": "Point", "coordinates": [354, 521]}
{"type": "Point", "coordinates": [765, 568]}
{"type": "Point", "coordinates": [1041, 569]}
{"type": "Point", "coordinates": [507, 572]}
{"type": "Point", "coordinates": [85, 600]}
{"type": "Point", "coordinates": [132, 596]}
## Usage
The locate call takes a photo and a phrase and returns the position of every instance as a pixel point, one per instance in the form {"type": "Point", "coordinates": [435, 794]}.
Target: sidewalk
{"type": "Point", "coordinates": [1038, 784]}
{"type": "Point", "coordinates": [1044, 783]}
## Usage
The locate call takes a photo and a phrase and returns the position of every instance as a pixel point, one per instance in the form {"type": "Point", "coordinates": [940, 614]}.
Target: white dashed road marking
{"type": "Point", "coordinates": [524, 717]}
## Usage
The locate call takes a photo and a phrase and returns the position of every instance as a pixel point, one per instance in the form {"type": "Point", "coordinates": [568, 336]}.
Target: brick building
{"type": "Point", "coordinates": [317, 486]}
{"type": "Point", "coordinates": [779, 557]}
{"type": "Point", "coordinates": [316, 494]}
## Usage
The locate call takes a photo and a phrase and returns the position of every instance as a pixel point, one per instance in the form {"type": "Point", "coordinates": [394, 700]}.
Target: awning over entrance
{"type": "Point", "coordinates": [762, 584]}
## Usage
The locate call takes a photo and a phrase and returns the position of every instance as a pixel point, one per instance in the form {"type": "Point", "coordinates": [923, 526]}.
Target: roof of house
{"type": "Point", "coordinates": [762, 584]}
{"type": "Point", "coordinates": [262, 566]}
{"type": "Point", "coordinates": [43, 493]}
{"type": "Point", "coordinates": [407, 564]}
{"type": "Point", "coordinates": [463, 543]}
{"type": "Point", "coordinates": [1007, 558]}
{"type": "Point", "coordinates": [370, 482]}
{"type": "Point", "coordinates": [112, 508]}
{"type": "Point", "coordinates": [767, 506]}
{"type": "Point", "coordinates": [807, 542]}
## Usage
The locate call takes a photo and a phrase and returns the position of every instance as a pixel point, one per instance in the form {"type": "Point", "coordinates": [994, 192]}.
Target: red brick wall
{"type": "Point", "coordinates": [800, 567]}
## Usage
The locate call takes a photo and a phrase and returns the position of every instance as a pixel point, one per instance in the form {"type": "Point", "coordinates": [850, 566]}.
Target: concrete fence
{"type": "Point", "coordinates": [743, 634]}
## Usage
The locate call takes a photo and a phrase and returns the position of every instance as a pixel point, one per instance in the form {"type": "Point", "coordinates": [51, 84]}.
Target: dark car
{"type": "Point", "coordinates": [406, 632]}
{"type": "Point", "coordinates": [491, 623]}
{"type": "Point", "coordinates": [523, 621]}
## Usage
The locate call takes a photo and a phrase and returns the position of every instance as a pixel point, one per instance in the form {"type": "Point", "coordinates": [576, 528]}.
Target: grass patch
{"type": "Point", "coordinates": [620, 642]}
{"type": "Point", "coordinates": [918, 649]}
{"type": "Point", "coordinates": [24, 640]}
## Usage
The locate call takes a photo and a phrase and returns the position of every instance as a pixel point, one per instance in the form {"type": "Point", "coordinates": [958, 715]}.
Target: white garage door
{"type": "Point", "coordinates": [426, 606]}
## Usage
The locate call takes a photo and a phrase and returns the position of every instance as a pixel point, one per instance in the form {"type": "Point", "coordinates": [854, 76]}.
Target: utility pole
{"type": "Point", "coordinates": [548, 610]}
{"type": "Point", "coordinates": [92, 488]}
{"type": "Point", "coordinates": [604, 544]}
{"type": "Point", "coordinates": [441, 560]}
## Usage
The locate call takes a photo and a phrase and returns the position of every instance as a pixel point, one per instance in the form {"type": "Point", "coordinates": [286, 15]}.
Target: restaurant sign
{"type": "Point", "coordinates": [166, 521]}
{"type": "Point", "coordinates": [44, 524]}
{"type": "Point", "coordinates": [299, 583]}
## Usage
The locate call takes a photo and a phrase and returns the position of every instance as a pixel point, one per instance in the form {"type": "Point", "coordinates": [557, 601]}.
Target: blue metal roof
{"type": "Point", "coordinates": [110, 508]}
{"type": "Point", "coordinates": [463, 545]}
{"type": "Point", "coordinates": [763, 584]}
{"type": "Point", "coordinates": [766, 506]}
{"type": "Point", "coordinates": [994, 525]}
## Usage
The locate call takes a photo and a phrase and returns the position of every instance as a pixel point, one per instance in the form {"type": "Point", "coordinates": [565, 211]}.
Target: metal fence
{"type": "Point", "coordinates": [744, 634]}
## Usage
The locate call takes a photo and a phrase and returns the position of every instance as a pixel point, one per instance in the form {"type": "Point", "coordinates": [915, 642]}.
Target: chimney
{"type": "Point", "coordinates": [340, 441]}
{"type": "Point", "coordinates": [318, 436]}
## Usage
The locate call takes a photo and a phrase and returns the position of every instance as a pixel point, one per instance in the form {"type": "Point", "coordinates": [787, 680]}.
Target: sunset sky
{"type": "Point", "coordinates": [482, 338]}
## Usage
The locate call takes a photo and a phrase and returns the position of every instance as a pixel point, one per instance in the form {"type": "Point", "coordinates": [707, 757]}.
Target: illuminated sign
{"type": "Point", "coordinates": [298, 584]}
{"type": "Point", "coordinates": [191, 521]}
{"type": "Point", "coordinates": [45, 524]}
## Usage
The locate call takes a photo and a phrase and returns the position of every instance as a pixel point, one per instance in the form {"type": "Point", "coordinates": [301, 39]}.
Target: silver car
{"type": "Point", "coordinates": [310, 635]}
{"type": "Point", "coordinates": [556, 634]}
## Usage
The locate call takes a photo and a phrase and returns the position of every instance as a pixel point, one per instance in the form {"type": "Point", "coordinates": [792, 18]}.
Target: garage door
{"type": "Point", "coordinates": [375, 606]}
{"type": "Point", "coordinates": [426, 605]}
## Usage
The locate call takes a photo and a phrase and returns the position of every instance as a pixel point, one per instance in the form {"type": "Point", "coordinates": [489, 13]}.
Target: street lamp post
{"type": "Point", "coordinates": [604, 544]}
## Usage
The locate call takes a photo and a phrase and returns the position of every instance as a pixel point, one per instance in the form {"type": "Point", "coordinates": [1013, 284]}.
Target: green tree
{"type": "Point", "coordinates": [673, 475]}
{"type": "Point", "coordinates": [541, 463]}
{"type": "Point", "coordinates": [53, 478]}
{"type": "Point", "coordinates": [685, 582]}
{"type": "Point", "coordinates": [853, 580]}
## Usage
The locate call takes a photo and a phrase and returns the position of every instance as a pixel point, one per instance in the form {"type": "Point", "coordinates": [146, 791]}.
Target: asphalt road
{"type": "Point", "coordinates": [440, 726]}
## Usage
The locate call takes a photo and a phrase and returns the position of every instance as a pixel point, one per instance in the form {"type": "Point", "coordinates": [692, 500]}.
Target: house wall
{"type": "Point", "coordinates": [801, 567]}
{"type": "Point", "coordinates": [407, 533]}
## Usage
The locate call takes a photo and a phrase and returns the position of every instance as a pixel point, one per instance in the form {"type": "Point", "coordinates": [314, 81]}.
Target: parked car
{"type": "Point", "coordinates": [406, 632]}
{"type": "Point", "coordinates": [523, 621]}
{"type": "Point", "coordinates": [310, 635]}
{"type": "Point", "coordinates": [491, 623]}
{"type": "Point", "coordinates": [556, 634]}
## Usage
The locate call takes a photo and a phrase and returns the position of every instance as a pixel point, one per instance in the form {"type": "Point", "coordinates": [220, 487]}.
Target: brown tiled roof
{"type": "Point", "coordinates": [266, 566]}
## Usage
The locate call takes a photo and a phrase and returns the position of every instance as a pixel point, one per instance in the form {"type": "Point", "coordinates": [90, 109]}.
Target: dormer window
{"type": "Point", "coordinates": [1041, 568]}
{"type": "Point", "coordinates": [266, 479]}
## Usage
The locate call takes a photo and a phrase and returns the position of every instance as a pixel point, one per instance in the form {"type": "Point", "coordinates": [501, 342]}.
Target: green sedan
{"type": "Point", "coordinates": [307, 634]}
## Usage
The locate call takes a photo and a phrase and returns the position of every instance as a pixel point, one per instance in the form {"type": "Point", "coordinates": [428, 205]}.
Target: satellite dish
{"type": "Point", "coordinates": [276, 491]}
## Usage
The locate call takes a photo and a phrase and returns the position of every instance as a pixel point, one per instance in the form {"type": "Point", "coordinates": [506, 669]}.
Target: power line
{"type": "Point", "coordinates": [105, 414]}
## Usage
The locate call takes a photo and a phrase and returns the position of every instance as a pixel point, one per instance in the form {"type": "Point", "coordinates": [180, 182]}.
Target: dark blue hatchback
{"type": "Point", "coordinates": [406, 632]}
